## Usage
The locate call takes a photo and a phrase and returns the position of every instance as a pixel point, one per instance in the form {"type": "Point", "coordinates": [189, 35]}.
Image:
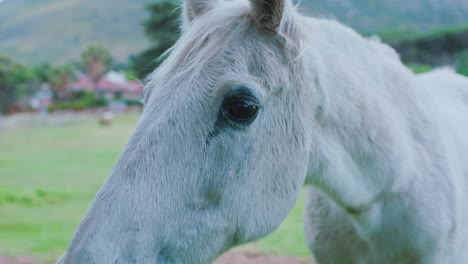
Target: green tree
{"type": "Point", "coordinates": [16, 80]}
{"type": "Point", "coordinates": [59, 79]}
{"type": "Point", "coordinates": [7, 91]}
{"type": "Point", "coordinates": [43, 72]}
{"type": "Point", "coordinates": [162, 28]}
{"type": "Point", "coordinates": [96, 61]}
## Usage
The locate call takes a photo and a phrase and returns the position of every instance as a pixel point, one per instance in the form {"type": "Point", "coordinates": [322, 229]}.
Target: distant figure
{"type": "Point", "coordinates": [35, 104]}
{"type": "Point", "coordinates": [106, 119]}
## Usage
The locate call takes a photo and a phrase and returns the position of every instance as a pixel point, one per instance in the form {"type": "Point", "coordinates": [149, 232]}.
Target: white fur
{"type": "Point", "coordinates": [385, 151]}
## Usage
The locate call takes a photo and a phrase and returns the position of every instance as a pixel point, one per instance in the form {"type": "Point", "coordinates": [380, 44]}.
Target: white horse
{"type": "Point", "coordinates": [254, 101]}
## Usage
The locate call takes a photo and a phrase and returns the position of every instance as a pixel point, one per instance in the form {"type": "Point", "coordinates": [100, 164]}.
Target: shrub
{"type": "Point", "coordinates": [80, 100]}
{"type": "Point", "coordinates": [419, 68]}
{"type": "Point", "coordinates": [462, 63]}
{"type": "Point", "coordinates": [133, 102]}
{"type": "Point", "coordinates": [100, 101]}
{"type": "Point", "coordinates": [82, 94]}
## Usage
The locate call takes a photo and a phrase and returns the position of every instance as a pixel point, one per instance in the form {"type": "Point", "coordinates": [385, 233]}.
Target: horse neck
{"type": "Point", "coordinates": [362, 137]}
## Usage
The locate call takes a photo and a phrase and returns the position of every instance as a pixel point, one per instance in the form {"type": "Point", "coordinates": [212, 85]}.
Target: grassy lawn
{"type": "Point", "coordinates": [48, 177]}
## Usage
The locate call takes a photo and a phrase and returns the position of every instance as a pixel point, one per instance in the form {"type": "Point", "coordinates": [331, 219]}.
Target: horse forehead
{"type": "Point", "coordinates": [234, 46]}
{"type": "Point", "coordinates": [230, 21]}
{"type": "Point", "coordinates": [219, 51]}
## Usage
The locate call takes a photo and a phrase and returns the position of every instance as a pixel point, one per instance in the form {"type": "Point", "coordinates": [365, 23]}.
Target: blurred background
{"type": "Point", "coordinates": [70, 90]}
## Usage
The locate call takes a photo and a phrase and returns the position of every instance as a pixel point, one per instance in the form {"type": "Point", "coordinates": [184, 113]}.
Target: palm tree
{"type": "Point", "coordinates": [60, 78]}
{"type": "Point", "coordinates": [96, 60]}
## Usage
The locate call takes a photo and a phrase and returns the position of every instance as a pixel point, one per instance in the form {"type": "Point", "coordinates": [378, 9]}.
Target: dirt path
{"type": "Point", "coordinates": [232, 257]}
{"type": "Point", "coordinates": [19, 260]}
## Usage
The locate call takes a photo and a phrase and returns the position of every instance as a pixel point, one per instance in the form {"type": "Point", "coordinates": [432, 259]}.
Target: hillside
{"type": "Point", "coordinates": [435, 49]}
{"type": "Point", "coordinates": [376, 15]}
{"type": "Point", "coordinates": [57, 31]}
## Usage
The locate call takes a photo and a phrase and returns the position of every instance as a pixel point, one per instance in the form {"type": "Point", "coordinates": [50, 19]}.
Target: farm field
{"type": "Point", "coordinates": [49, 175]}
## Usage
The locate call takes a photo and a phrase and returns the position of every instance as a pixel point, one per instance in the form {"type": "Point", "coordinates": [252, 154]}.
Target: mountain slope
{"type": "Point", "coordinates": [59, 30]}
{"type": "Point", "coordinates": [36, 31]}
{"type": "Point", "coordinates": [372, 16]}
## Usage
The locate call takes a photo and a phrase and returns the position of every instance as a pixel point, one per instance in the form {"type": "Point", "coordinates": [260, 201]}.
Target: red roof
{"type": "Point", "coordinates": [83, 83]}
{"type": "Point", "coordinates": [105, 85]}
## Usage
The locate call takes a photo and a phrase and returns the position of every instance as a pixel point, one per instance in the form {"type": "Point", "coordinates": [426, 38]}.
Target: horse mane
{"type": "Point", "coordinates": [305, 35]}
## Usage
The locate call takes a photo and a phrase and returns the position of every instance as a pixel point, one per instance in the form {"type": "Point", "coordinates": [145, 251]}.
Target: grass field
{"type": "Point", "coordinates": [48, 177]}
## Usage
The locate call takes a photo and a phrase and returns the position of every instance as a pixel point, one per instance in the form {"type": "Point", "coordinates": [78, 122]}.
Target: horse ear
{"type": "Point", "coordinates": [194, 8]}
{"type": "Point", "coordinates": [269, 13]}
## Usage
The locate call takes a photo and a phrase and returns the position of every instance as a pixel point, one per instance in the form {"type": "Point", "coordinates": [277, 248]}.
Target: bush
{"type": "Point", "coordinates": [133, 102]}
{"type": "Point", "coordinates": [100, 101]}
{"type": "Point", "coordinates": [462, 63]}
{"type": "Point", "coordinates": [80, 100]}
{"type": "Point", "coordinates": [419, 68]}
{"type": "Point", "coordinates": [76, 95]}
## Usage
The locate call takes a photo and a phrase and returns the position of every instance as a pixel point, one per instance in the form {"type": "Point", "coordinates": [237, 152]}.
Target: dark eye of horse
{"type": "Point", "coordinates": [240, 110]}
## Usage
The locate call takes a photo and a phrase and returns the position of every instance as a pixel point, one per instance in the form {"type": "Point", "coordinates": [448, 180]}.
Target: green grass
{"type": "Point", "coordinates": [48, 177]}
{"type": "Point", "coordinates": [289, 239]}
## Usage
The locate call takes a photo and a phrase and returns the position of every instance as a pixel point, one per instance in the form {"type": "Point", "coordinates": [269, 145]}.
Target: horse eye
{"type": "Point", "coordinates": [241, 110]}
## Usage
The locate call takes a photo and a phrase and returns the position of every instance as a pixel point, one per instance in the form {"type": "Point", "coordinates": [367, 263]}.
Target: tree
{"type": "Point", "coordinates": [16, 80]}
{"type": "Point", "coordinates": [162, 28]}
{"type": "Point", "coordinates": [7, 91]}
{"type": "Point", "coordinates": [60, 77]}
{"type": "Point", "coordinates": [43, 72]}
{"type": "Point", "coordinates": [96, 61]}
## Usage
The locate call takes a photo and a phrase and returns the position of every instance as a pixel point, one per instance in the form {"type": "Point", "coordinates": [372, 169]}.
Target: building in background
{"type": "Point", "coordinates": [112, 85]}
